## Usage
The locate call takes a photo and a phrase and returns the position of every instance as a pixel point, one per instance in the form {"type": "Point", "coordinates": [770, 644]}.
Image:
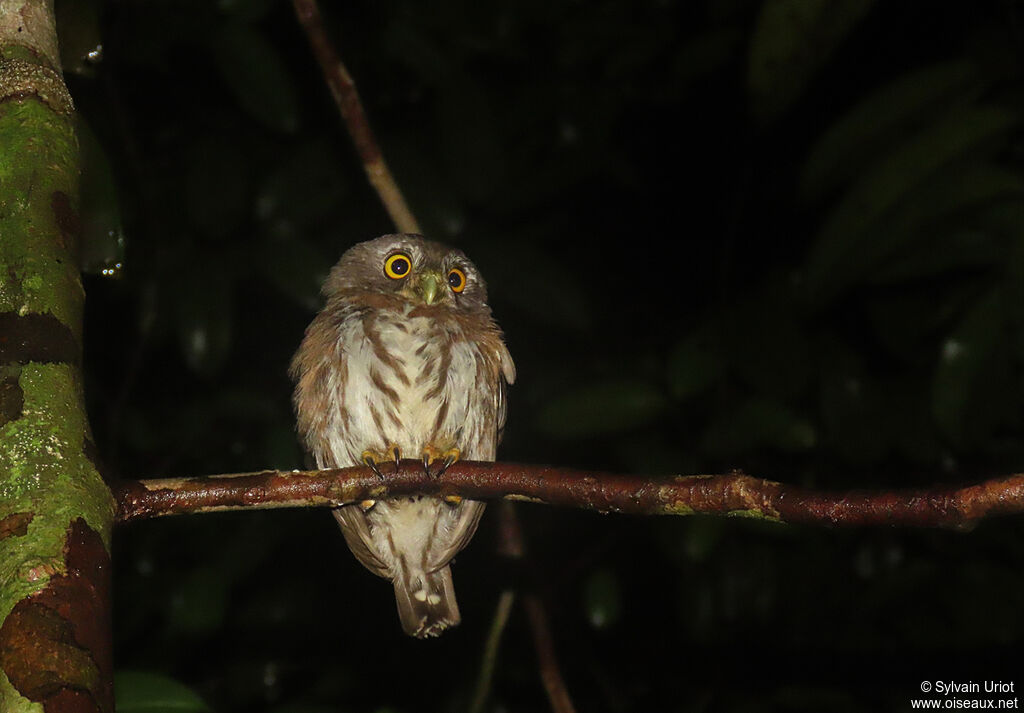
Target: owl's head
{"type": "Point", "coordinates": [412, 268]}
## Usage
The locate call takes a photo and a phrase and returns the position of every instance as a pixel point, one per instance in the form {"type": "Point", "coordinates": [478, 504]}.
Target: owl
{"type": "Point", "coordinates": [404, 361]}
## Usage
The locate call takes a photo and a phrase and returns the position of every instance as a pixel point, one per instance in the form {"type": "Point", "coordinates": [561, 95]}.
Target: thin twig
{"type": "Point", "coordinates": [491, 648]}
{"type": "Point", "coordinates": [732, 494]}
{"type": "Point", "coordinates": [343, 89]}
{"type": "Point", "coordinates": [550, 672]}
{"type": "Point", "coordinates": [514, 545]}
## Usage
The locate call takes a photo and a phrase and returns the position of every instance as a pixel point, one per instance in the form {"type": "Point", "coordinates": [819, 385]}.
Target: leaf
{"type": "Point", "coordinates": [758, 423]}
{"type": "Point", "coordinates": [765, 344]}
{"type": "Point", "coordinates": [428, 188]}
{"type": "Point", "coordinates": [694, 365]}
{"type": "Point", "coordinates": [199, 601]}
{"type": "Point", "coordinates": [303, 190]}
{"type": "Point", "coordinates": [909, 239]}
{"type": "Point", "coordinates": [602, 598]}
{"type": "Point", "coordinates": [102, 232]}
{"type": "Point", "coordinates": [851, 407]}
{"type": "Point", "coordinates": [470, 146]}
{"type": "Point", "coordinates": [140, 692]}
{"type": "Point", "coordinates": [217, 187]}
{"type": "Point", "coordinates": [905, 323]}
{"type": "Point", "coordinates": [204, 317]}
{"type": "Point", "coordinates": [962, 249]}
{"type": "Point", "coordinates": [602, 408]}
{"type": "Point", "coordinates": [878, 122]}
{"type": "Point", "coordinates": [887, 182]}
{"type": "Point", "coordinates": [969, 393]}
{"type": "Point", "coordinates": [706, 53]}
{"type": "Point", "coordinates": [256, 74]}
{"type": "Point", "coordinates": [526, 276]}
{"type": "Point", "coordinates": [246, 10]}
{"type": "Point", "coordinates": [792, 40]}
{"type": "Point", "coordinates": [296, 267]}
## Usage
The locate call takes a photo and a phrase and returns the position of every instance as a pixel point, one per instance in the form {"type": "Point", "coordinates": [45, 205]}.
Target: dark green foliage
{"type": "Point", "coordinates": [786, 237]}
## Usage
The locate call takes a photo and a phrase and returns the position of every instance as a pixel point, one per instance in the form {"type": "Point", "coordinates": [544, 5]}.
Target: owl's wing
{"type": "Point", "coordinates": [356, 530]}
{"type": "Point", "coordinates": [462, 524]}
{"type": "Point", "coordinates": [506, 376]}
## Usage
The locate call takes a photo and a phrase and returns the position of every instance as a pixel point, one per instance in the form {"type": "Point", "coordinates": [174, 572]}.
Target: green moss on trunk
{"type": "Point", "coordinates": [56, 512]}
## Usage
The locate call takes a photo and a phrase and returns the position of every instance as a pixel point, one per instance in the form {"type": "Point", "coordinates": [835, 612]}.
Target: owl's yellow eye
{"type": "Point", "coordinates": [456, 279]}
{"type": "Point", "coordinates": [397, 266]}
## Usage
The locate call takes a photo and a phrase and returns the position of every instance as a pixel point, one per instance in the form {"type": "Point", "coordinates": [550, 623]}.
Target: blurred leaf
{"type": "Point", "coordinates": [139, 692]}
{"type": "Point", "coordinates": [199, 601]}
{"type": "Point", "coordinates": [851, 407]}
{"type": "Point", "coordinates": [969, 394]}
{"type": "Point", "coordinates": [102, 234]}
{"type": "Point", "coordinates": [528, 277]}
{"type": "Point", "coordinates": [878, 122]}
{"type": "Point", "coordinates": [792, 41]}
{"type": "Point", "coordinates": [905, 323]}
{"type": "Point", "coordinates": [694, 365]}
{"type": "Point", "coordinates": [602, 598]}
{"type": "Point", "coordinates": [888, 181]}
{"type": "Point", "coordinates": [217, 186]}
{"type": "Point", "coordinates": [246, 10]}
{"type": "Point", "coordinates": [605, 407]}
{"type": "Point", "coordinates": [303, 190]}
{"type": "Point", "coordinates": [758, 423]}
{"type": "Point", "coordinates": [919, 236]}
{"type": "Point", "coordinates": [469, 145]}
{"type": "Point", "coordinates": [1014, 288]}
{"type": "Point", "coordinates": [706, 53]}
{"type": "Point", "coordinates": [765, 343]}
{"type": "Point", "coordinates": [281, 448]}
{"type": "Point", "coordinates": [428, 187]}
{"type": "Point", "coordinates": [648, 451]}
{"type": "Point", "coordinates": [255, 73]}
{"type": "Point", "coordinates": [204, 316]}
{"type": "Point", "coordinates": [703, 535]}
{"type": "Point", "coordinates": [295, 267]}
{"type": "Point", "coordinates": [949, 251]}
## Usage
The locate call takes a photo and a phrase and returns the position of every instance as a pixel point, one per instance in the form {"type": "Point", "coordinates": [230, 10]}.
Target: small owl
{"type": "Point", "coordinates": [404, 361]}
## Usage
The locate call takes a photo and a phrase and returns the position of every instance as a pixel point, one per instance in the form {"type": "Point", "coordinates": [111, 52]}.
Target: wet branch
{"type": "Point", "coordinates": [730, 494]}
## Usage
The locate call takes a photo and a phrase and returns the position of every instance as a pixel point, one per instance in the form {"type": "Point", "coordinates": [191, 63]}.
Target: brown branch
{"type": "Point", "coordinates": [733, 494]}
{"type": "Point", "coordinates": [343, 89]}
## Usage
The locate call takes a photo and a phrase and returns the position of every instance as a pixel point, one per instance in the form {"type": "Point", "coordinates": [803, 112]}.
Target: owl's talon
{"type": "Point", "coordinates": [431, 455]}
{"type": "Point", "coordinates": [372, 459]}
{"type": "Point", "coordinates": [370, 463]}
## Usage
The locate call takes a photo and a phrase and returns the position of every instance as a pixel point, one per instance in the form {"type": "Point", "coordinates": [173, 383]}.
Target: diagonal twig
{"type": "Point", "coordinates": [490, 656]}
{"type": "Point", "coordinates": [343, 89]}
{"type": "Point", "coordinates": [513, 545]}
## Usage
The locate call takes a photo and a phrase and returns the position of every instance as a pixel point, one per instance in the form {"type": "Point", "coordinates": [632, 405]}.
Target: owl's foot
{"type": "Point", "coordinates": [433, 455]}
{"type": "Point", "coordinates": [373, 459]}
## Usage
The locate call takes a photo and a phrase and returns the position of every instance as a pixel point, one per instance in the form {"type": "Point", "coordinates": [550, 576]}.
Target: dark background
{"type": "Point", "coordinates": [781, 236]}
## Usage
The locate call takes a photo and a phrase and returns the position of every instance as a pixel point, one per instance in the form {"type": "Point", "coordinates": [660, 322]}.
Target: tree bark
{"type": "Point", "coordinates": [55, 510]}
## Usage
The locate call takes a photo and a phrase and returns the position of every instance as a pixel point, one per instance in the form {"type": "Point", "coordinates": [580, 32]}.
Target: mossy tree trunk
{"type": "Point", "coordinates": [55, 510]}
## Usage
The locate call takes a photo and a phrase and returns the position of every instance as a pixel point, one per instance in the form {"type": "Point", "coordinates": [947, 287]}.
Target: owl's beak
{"type": "Point", "coordinates": [427, 287]}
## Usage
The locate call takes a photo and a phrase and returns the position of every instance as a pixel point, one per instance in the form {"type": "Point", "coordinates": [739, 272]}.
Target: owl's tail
{"type": "Point", "coordinates": [426, 602]}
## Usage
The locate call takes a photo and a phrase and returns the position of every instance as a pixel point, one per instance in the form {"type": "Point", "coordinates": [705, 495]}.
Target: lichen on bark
{"type": "Point", "coordinates": [55, 510]}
